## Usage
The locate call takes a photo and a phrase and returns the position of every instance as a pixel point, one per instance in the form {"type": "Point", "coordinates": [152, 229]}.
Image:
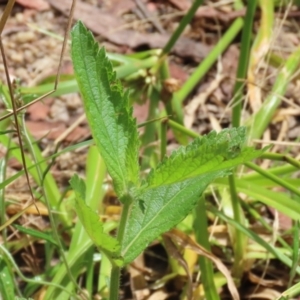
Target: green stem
{"type": "Point", "coordinates": [3, 166]}
{"type": "Point", "coordinates": [114, 283]}
{"type": "Point", "coordinates": [280, 157]}
{"type": "Point", "coordinates": [183, 23]}
{"type": "Point", "coordinates": [261, 120]}
{"type": "Point", "coordinates": [183, 129]}
{"type": "Point", "coordinates": [240, 239]}
{"type": "Point", "coordinates": [243, 64]}
{"type": "Point", "coordinates": [274, 178]}
{"type": "Point", "coordinates": [105, 270]}
{"type": "Point", "coordinates": [149, 135]}
{"type": "Point", "coordinates": [163, 140]}
{"type": "Point", "coordinates": [127, 200]}
{"type": "Point", "coordinates": [116, 271]}
{"type": "Point", "coordinates": [206, 64]}
{"type": "Point", "coordinates": [71, 86]}
{"type": "Point", "coordinates": [281, 170]}
{"type": "Point", "coordinates": [207, 270]}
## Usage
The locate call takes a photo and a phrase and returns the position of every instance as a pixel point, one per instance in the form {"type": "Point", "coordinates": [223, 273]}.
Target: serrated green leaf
{"type": "Point", "coordinates": [212, 152]}
{"type": "Point", "coordinates": [93, 225]}
{"type": "Point", "coordinates": [172, 190]}
{"type": "Point", "coordinates": [107, 109]}
{"type": "Point", "coordinates": [158, 209]}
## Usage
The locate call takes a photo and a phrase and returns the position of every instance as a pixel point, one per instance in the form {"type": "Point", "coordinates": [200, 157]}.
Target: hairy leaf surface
{"type": "Point", "coordinates": [109, 115]}
{"type": "Point", "coordinates": [172, 190]}
{"type": "Point", "coordinates": [158, 209]}
{"type": "Point", "coordinates": [93, 225]}
{"type": "Point", "coordinates": [205, 154]}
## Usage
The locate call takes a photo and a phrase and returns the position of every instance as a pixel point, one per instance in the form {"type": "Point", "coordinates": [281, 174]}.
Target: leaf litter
{"type": "Point", "coordinates": [37, 54]}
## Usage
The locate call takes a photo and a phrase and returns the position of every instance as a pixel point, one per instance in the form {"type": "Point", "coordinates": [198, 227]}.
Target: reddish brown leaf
{"type": "Point", "coordinates": [105, 25]}
{"type": "Point", "coordinates": [34, 4]}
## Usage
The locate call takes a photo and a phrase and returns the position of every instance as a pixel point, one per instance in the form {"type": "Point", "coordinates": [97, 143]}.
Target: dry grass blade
{"type": "Point", "coordinates": [173, 251]}
{"type": "Point", "coordinates": [186, 241]}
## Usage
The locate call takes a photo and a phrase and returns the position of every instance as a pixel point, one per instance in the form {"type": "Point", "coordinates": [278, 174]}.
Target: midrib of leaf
{"type": "Point", "coordinates": [200, 156]}
{"type": "Point", "coordinates": [112, 125]}
{"type": "Point", "coordinates": [144, 228]}
{"type": "Point", "coordinates": [181, 171]}
{"type": "Point", "coordinates": [105, 127]}
{"type": "Point", "coordinates": [157, 216]}
{"type": "Point", "coordinates": [88, 105]}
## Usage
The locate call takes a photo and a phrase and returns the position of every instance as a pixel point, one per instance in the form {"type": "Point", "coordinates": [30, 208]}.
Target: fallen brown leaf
{"type": "Point", "coordinates": [185, 241]}
{"type": "Point", "coordinates": [208, 12]}
{"type": "Point", "coordinates": [173, 251]}
{"type": "Point", "coordinates": [34, 4]}
{"type": "Point", "coordinates": [105, 25]}
{"type": "Point", "coordinates": [40, 129]}
{"type": "Point", "coordinates": [38, 111]}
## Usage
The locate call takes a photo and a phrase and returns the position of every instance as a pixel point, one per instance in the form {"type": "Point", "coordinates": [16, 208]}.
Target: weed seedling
{"type": "Point", "coordinates": [152, 206]}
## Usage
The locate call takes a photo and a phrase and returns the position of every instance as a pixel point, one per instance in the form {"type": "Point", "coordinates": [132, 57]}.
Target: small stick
{"type": "Point", "coordinates": [11, 93]}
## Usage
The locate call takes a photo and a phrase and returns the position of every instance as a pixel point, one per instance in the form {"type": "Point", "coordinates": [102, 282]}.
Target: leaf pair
{"type": "Point", "coordinates": [172, 189]}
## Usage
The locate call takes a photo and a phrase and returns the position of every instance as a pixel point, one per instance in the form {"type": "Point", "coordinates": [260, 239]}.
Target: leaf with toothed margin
{"type": "Point", "coordinates": [174, 187]}
{"type": "Point", "coordinates": [107, 109]}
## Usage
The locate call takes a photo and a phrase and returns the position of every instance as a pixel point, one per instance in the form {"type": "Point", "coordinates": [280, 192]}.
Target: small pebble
{"type": "Point", "coordinates": [59, 111]}
{"type": "Point", "coordinates": [16, 57]}
{"type": "Point", "coordinates": [72, 100]}
{"type": "Point", "coordinates": [25, 37]}
{"type": "Point", "coordinates": [29, 58]}
{"type": "Point", "coordinates": [20, 17]}
{"type": "Point", "coordinates": [21, 73]}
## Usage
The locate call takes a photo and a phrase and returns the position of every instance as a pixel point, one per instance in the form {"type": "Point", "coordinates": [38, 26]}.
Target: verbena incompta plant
{"type": "Point", "coordinates": [156, 204]}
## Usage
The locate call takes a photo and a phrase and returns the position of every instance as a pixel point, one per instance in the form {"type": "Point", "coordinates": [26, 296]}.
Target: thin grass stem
{"type": "Point", "coordinates": [202, 237]}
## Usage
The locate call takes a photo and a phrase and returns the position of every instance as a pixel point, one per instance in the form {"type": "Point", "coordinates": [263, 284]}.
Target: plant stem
{"type": "Point", "coordinates": [206, 64]}
{"type": "Point", "coordinates": [114, 283]}
{"type": "Point", "coordinates": [183, 129]}
{"type": "Point", "coordinates": [149, 135]}
{"type": "Point", "coordinates": [200, 226]}
{"type": "Point", "coordinates": [183, 23]}
{"type": "Point", "coordinates": [261, 120]}
{"type": "Point", "coordinates": [163, 140]}
{"type": "Point", "coordinates": [243, 63]}
{"type": "Point", "coordinates": [281, 157]}
{"type": "Point", "coordinates": [274, 178]}
{"type": "Point", "coordinates": [116, 271]}
{"type": "Point", "coordinates": [240, 239]}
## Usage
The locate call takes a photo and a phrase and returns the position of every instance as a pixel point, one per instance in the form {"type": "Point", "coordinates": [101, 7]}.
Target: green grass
{"type": "Point", "coordinates": [237, 201]}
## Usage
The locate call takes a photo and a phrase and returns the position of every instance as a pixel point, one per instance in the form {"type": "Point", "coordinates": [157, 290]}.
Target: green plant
{"type": "Point", "coordinates": [243, 195]}
{"type": "Point", "coordinates": [151, 205]}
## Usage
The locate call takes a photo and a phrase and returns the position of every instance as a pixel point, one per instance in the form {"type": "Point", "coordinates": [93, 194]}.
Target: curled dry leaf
{"type": "Point", "coordinates": [173, 251]}
{"type": "Point", "coordinates": [186, 241]}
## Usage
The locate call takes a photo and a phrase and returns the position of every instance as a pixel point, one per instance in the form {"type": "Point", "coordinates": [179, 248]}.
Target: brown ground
{"type": "Point", "coordinates": [124, 27]}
